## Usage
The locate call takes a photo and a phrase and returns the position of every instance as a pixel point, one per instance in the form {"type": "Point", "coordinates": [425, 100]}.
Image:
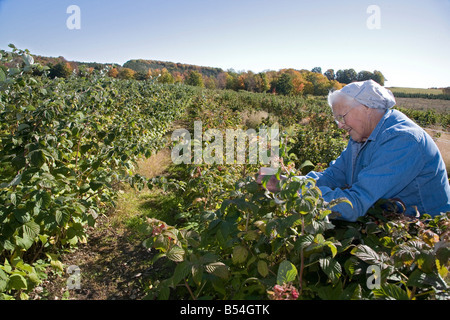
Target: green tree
{"type": "Point", "coordinates": [330, 74]}
{"type": "Point", "coordinates": [317, 70]}
{"type": "Point", "coordinates": [210, 83]}
{"type": "Point", "coordinates": [284, 84]}
{"type": "Point", "coordinates": [346, 76]}
{"type": "Point", "coordinates": [379, 77]}
{"type": "Point", "coordinates": [165, 77]}
{"type": "Point", "coordinates": [321, 84]}
{"type": "Point", "coordinates": [141, 75]}
{"type": "Point", "coordinates": [60, 70]}
{"type": "Point", "coordinates": [194, 78]}
{"type": "Point", "coordinates": [364, 75]}
{"type": "Point", "coordinates": [262, 83]}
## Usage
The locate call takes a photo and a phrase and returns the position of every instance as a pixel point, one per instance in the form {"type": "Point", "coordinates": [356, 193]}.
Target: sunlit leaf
{"type": "Point", "coordinates": [287, 272]}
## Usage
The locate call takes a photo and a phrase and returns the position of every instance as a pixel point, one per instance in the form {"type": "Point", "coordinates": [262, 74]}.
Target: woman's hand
{"type": "Point", "coordinates": [272, 183]}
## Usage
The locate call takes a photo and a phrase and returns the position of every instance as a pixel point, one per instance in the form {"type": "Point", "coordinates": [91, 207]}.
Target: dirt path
{"type": "Point", "coordinates": [113, 264]}
{"type": "Point", "coordinates": [442, 139]}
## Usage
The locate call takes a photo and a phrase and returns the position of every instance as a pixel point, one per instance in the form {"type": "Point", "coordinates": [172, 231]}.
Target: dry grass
{"type": "Point", "coordinates": [130, 200]}
{"type": "Point", "coordinates": [254, 119]}
{"type": "Point", "coordinates": [440, 106]}
{"type": "Point", "coordinates": [155, 165]}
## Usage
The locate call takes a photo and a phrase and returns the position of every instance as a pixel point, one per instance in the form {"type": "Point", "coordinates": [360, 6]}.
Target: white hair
{"type": "Point", "coordinates": [335, 95]}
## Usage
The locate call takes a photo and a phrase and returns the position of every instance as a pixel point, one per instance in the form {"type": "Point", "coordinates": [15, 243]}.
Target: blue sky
{"type": "Point", "coordinates": [411, 47]}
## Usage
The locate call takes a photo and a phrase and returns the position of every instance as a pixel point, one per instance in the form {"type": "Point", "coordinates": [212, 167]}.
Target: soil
{"type": "Point", "coordinates": [113, 263]}
{"type": "Point", "coordinates": [110, 265]}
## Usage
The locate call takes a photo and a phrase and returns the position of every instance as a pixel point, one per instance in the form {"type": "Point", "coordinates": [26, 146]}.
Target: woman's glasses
{"type": "Point", "coordinates": [341, 118]}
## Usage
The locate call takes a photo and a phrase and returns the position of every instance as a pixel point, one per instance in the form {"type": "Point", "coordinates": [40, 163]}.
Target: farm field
{"type": "Point", "coordinates": [434, 91]}
{"type": "Point", "coordinates": [93, 207]}
{"type": "Point", "coordinates": [437, 105]}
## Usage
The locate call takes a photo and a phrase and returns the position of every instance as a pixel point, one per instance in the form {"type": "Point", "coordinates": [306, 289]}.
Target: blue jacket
{"type": "Point", "coordinates": [398, 160]}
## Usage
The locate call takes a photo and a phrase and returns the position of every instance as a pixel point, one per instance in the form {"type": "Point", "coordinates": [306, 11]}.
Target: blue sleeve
{"type": "Point", "coordinates": [335, 175]}
{"type": "Point", "coordinates": [395, 162]}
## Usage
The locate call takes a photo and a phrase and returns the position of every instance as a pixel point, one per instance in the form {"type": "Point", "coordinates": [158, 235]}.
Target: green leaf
{"type": "Point", "coordinates": [181, 271]}
{"type": "Point", "coordinates": [197, 274]}
{"type": "Point", "coordinates": [330, 292]}
{"type": "Point", "coordinates": [163, 291]}
{"type": "Point", "coordinates": [337, 201]}
{"type": "Point", "coordinates": [332, 248]}
{"type": "Point", "coordinates": [148, 243]}
{"type": "Point", "coordinates": [161, 243]}
{"type": "Point", "coordinates": [366, 254]}
{"type": "Point", "coordinates": [17, 282]}
{"type": "Point", "coordinates": [61, 217]}
{"type": "Point", "coordinates": [16, 180]}
{"type": "Point", "coordinates": [426, 262]}
{"type": "Point", "coordinates": [391, 292]}
{"type": "Point", "coordinates": [37, 158]}
{"type": "Point", "coordinates": [3, 279]}
{"type": "Point", "coordinates": [286, 272]}
{"type": "Point", "coordinates": [56, 264]}
{"type": "Point", "coordinates": [31, 229]}
{"type": "Point", "coordinates": [331, 267]}
{"type": "Point", "coordinates": [305, 164]}
{"type": "Point", "coordinates": [218, 269]}
{"type": "Point", "coordinates": [22, 127]}
{"type": "Point", "coordinates": [303, 241]}
{"type": "Point", "coordinates": [239, 255]}
{"type": "Point", "coordinates": [2, 75]}
{"type": "Point", "coordinates": [22, 215]}
{"type": "Point", "coordinates": [263, 269]}
{"type": "Point", "coordinates": [24, 242]}
{"type": "Point", "coordinates": [175, 254]}
{"type": "Point", "coordinates": [95, 185]}
{"type": "Point", "coordinates": [423, 280]}
{"type": "Point", "coordinates": [44, 199]}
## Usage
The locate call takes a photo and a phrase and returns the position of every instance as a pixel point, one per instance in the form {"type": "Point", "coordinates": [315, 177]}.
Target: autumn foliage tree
{"type": "Point", "coordinates": [285, 81]}
{"type": "Point", "coordinates": [113, 72]}
{"type": "Point", "coordinates": [165, 77]}
{"type": "Point", "coordinates": [126, 73]}
{"type": "Point", "coordinates": [60, 70]}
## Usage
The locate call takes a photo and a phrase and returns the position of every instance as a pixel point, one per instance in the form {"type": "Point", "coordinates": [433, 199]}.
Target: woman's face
{"type": "Point", "coordinates": [358, 120]}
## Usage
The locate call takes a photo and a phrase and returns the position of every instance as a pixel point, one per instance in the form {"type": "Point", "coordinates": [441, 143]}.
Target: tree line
{"type": "Point", "coordinates": [287, 81]}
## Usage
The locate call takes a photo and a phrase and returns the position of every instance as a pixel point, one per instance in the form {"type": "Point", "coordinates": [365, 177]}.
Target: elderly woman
{"type": "Point", "coordinates": [388, 156]}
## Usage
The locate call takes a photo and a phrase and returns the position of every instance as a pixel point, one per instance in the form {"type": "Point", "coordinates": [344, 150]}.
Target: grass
{"type": "Point", "coordinates": [134, 207]}
{"type": "Point", "coordinates": [416, 90]}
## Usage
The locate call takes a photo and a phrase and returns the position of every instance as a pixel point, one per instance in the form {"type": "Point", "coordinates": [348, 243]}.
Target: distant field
{"type": "Point", "coordinates": [415, 90]}
{"type": "Point", "coordinates": [440, 106]}
{"type": "Point", "coordinates": [440, 134]}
